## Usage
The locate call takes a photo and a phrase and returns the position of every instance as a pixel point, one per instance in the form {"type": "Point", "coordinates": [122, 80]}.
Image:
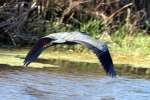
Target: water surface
{"type": "Point", "coordinates": [70, 82]}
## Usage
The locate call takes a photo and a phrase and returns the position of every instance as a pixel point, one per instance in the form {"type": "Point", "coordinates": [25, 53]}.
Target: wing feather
{"type": "Point", "coordinates": [37, 49]}
{"type": "Point", "coordinates": [99, 48]}
{"type": "Point", "coordinates": [104, 57]}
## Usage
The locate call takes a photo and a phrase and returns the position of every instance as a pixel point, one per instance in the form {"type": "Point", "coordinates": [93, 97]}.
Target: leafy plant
{"type": "Point", "coordinates": [93, 26]}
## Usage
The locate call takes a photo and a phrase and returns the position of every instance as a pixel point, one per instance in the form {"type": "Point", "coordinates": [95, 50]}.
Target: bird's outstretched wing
{"type": "Point", "coordinates": [99, 48]}
{"type": "Point", "coordinates": [104, 57]}
{"type": "Point", "coordinates": [36, 50]}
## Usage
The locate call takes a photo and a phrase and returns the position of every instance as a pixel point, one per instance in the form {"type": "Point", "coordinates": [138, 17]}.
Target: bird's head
{"type": "Point", "coordinates": [36, 51]}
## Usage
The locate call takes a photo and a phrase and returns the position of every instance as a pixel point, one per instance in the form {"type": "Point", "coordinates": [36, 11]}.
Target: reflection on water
{"type": "Point", "coordinates": [72, 81]}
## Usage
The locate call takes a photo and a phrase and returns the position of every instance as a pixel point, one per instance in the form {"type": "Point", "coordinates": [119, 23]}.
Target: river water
{"type": "Point", "coordinates": [71, 82]}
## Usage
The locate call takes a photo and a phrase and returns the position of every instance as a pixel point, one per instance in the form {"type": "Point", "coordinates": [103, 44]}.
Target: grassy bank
{"type": "Point", "coordinates": [133, 51]}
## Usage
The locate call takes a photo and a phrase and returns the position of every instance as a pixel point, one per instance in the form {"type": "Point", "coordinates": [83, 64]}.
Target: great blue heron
{"type": "Point", "coordinates": [97, 46]}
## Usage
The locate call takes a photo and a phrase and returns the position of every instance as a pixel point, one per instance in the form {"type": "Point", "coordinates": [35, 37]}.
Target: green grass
{"type": "Point", "coordinates": [134, 51]}
{"type": "Point", "coordinates": [125, 49]}
{"type": "Point", "coordinates": [15, 57]}
{"type": "Point", "coordinates": [92, 26]}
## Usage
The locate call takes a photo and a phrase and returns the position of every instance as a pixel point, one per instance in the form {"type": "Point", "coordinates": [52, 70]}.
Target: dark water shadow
{"type": "Point", "coordinates": [7, 67]}
{"type": "Point", "coordinates": [66, 64]}
{"type": "Point", "coordinates": [85, 67]}
{"type": "Point", "coordinates": [82, 67]}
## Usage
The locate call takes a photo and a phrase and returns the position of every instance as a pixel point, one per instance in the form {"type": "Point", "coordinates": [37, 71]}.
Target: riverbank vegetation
{"type": "Point", "coordinates": [123, 24]}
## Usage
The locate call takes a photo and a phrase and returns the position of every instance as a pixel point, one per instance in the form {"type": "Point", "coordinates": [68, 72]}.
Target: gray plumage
{"type": "Point", "coordinates": [97, 46]}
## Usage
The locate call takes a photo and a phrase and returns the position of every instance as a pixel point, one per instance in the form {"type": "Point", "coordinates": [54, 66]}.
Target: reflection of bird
{"type": "Point", "coordinates": [97, 46]}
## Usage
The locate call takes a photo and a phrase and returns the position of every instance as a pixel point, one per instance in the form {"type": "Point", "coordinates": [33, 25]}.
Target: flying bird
{"type": "Point", "coordinates": [97, 46]}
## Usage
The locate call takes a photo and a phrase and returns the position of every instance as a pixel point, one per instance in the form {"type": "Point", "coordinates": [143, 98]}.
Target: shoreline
{"type": "Point", "coordinates": [15, 57]}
